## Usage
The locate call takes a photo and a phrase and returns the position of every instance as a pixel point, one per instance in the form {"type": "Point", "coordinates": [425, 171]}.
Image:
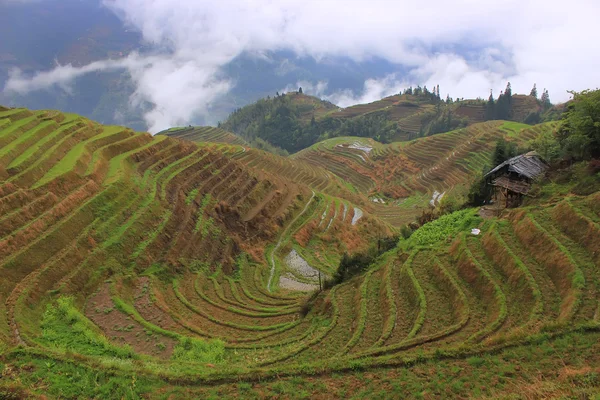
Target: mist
{"type": "Point", "coordinates": [467, 47]}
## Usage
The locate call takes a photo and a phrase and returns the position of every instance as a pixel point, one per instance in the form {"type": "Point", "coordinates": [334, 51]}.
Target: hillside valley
{"type": "Point", "coordinates": [194, 264]}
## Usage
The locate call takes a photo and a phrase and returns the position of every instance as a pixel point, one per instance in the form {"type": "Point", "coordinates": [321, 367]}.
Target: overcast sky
{"type": "Point", "coordinates": [466, 46]}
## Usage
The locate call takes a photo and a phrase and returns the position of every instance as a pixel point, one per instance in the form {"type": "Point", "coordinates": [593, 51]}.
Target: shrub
{"type": "Point", "coordinates": [451, 202]}
{"type": "Point", "coordinates": [547, 146]}
{"type": "Point", "coordinates": [580, 134]}
{"type": "Point", "coordinates": [352, 265]}
{"type": "Point", "coordinates": [406, 231]}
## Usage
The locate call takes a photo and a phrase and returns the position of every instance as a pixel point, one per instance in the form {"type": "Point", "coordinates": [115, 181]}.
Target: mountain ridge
{"type": "Point", "coordinates": [294, 121]}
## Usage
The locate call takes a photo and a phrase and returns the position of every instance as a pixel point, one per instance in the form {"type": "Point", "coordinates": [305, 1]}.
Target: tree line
{"type": "Point", "coordinates": [277, 124]}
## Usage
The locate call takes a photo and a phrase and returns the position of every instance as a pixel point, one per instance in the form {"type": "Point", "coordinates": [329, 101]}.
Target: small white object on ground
{"type": "Point", "coordinates": [323, 215]}
{"type": "Point", "coordinates": [436, 198]}
{"type": "Point", "coordinates": [475, 231]}
{"type": "Point", "coordinates": [357, 215]}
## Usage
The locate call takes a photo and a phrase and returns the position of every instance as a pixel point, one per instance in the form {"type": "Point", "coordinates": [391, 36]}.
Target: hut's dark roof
{"type": "Point", "coordinates": [529, 165]}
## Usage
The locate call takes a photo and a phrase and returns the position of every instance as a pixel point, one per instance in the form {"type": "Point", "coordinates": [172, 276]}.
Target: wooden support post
{"type": "Point", "coordinates": [498, 193]}
{"type": "Point", "coordinates": [320, 287]}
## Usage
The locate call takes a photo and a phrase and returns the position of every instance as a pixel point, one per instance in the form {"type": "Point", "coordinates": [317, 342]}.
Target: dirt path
{"type": "Point", "coordinates": [271, 258]}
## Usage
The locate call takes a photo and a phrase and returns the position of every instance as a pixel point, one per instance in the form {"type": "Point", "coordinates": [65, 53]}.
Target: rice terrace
{"type": "Point", "coordinates": [200, 265]}
{"type": "Point", "coordinates": [323, 243]}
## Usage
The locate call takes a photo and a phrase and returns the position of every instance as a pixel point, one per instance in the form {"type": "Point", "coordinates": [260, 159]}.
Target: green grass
{"type": "Point", "coordinates": [198, 351]}
{"type": "Point", "coordinates": [65, 165]}
{"type": "Point", "coordinates": [447, 226]}
{"type": "Point", "coordinates": [118, 164]}
{"type": "Point", "coordinates": [191, 196]}
{"type": "Point", "coordinates": [538, 308]}
{"type": "Point", "coordinates": [13, 127]}
{"type": "Point", "coordinates": [513, 128]}
{"type": "Point", "coordinates": [32, 149]}
{"type": "Point", "coordinates": [510, 373]}
{"type": "Point", "coordinates": [65, 328]}
{"type": "Point", "coordinates": [23, 137]}
{"type": "Point", "coordinates": [202, 223]}
{"type": "Point", "coordinates": [114, 131]}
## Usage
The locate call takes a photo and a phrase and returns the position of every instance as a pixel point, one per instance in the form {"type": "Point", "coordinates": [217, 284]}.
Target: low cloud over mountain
{"type": "Point", "coordinates": [467, 47]}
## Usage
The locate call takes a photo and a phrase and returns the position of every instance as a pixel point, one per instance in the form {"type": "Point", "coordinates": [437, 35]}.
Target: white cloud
{"type": "Point", "coordinates": [178, 87]}
{"type": "Point", "coordinates": [374, 89]}
{"type": "Point", "coordinates": [524, 41]}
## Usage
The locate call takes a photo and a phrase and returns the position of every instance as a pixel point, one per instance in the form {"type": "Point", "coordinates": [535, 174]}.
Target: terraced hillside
{"type": "Point", "coordinates": [167, 267]}
{"type": "Point", "coordinates": [81, 202]}
{"type": "Point", "coordinates": [204, 134]}
{"type": "Point", "coordinates": [401, 179]}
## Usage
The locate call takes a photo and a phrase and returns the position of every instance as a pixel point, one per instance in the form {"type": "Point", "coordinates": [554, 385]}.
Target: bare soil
{"type": "Point", "coordinates": [122, 329]}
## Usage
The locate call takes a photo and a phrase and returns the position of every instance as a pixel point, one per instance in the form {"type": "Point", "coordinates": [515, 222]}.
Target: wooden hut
{"type": "Point", "coordinates": [513, 178]}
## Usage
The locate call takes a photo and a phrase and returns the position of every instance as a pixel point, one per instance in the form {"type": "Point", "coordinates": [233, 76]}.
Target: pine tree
{"type": "Point", "coordinates": [503, 151]}
{"type": "Point", "coordinates": [448, 99]}
{"type": "Point", "coordinates": [438, 91]}
{"type": "Point", "coordinates": [534, 91]}
{"type": "Point", "coordinates": [508, 91]}
{"type": "Point", "coordinates": [490, 108]}
{"type": "Point", "coordinates": [504, 104]}
{"type": "Point", "coordinates": [545, 100]}
{"type": "Point", "coordinates": [300, 90]}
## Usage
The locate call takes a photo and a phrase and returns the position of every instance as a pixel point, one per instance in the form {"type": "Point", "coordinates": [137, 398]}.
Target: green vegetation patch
{"type": "Point", "coordinates": [65, 328]}
{"type": "Point", "coordinates": [513, 128]}
{"type": "Point", "coordinates": [445, 227]}
{"type": "Point", "coordinates": [193, 350]}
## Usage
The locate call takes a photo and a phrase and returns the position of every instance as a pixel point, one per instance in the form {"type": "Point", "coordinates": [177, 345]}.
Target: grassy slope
{"type": "Point", "coordinates": [205, 134]}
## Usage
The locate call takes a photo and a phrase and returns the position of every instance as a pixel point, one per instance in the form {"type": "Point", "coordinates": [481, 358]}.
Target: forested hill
{"type": "Point", "coordinates": [294, 121]}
